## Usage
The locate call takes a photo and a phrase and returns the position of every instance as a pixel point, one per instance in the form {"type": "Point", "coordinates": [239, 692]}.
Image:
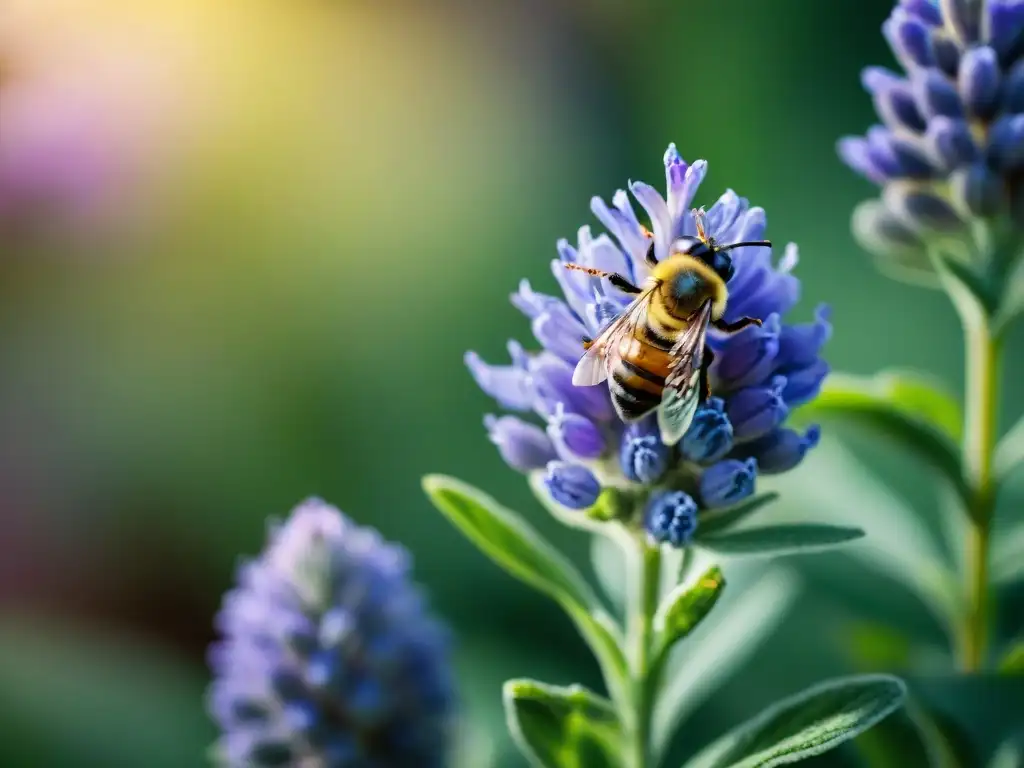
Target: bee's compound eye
{"type": "Point", "coordinates": [723, 266]}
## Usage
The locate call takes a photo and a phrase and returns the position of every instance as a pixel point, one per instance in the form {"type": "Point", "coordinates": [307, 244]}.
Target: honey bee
{"type": "Point", "coordinates": [654, 355]}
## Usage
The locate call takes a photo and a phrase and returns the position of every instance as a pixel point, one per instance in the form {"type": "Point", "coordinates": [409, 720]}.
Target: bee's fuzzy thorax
{"type": "Point", "coordinates": [667, 270]}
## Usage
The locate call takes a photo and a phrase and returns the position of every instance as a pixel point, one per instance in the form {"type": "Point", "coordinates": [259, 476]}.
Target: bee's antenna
{"type": "Point", "coordinates": [588, 270]}
{"type": "Point", "coordinates": [765, 243]}
{"type": "Point", "coordinates": [612, 277]}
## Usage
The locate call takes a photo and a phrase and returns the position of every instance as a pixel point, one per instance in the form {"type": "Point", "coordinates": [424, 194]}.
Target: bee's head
{"type": "Point", "coordinates": [707, 251]}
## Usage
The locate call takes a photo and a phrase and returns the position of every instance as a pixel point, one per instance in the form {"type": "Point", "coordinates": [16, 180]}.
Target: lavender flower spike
{"type": "Point", "coordinates": [759, 375]}
{"type": "Point", "coordinates": [949, 148]}
{"type": "Point", "coordinates": [328, 655]}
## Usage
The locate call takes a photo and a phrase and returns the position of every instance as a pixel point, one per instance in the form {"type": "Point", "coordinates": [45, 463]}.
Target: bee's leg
{"type": "Point", "coordinates": [649, 257]}
{"type": "Point", "coordinates": [612, 277]}
{"type": "Point", "coordinates": [622, 284]}
{"type": "Point", "coordinates": [705, 381]}
{"type": "Point", "coordinates": [587, 343]}
{"type": "Point", "coordinates": [739, 325]}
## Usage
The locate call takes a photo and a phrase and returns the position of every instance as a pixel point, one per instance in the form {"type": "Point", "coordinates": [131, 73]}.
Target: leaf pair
{"type": "Point", "coordinates": [716, 534]}
{"type": "Point", "coordinates": [573, 728]}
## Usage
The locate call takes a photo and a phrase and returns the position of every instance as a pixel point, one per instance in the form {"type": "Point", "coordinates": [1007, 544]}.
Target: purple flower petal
{"type": "Point", "coordinates": [727, 482]}
{"type": "Point", "coordinates": [782, 449]}
{"type": "Point", "coordinates": [756, 411]}
{"type": "Point", "coordinates": [800, 345]}
{"type": "Point", "coordinates": [575, 436]}
{"type": "Point", "coordinates": [552, 383]}
{"type": "Point", "coordinates": [522, 445]}
{"type": "Point", "coordinates": [746, 358]}
{"type": "Point", "coordinates": [572, 485]}
{"type": "Point", "coordinates": [508, 384]}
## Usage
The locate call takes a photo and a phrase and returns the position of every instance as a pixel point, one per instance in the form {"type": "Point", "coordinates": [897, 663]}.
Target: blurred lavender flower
{"type": "Point", "coordinates": [759, 374]}
{"type": "Point", "coordinates": [950, 146]}
{"type": "Point", "coordinates": [329, 656]}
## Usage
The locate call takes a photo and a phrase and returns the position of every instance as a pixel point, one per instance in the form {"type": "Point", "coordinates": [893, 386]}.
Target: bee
{"type": "Point", "coordinates": [655, 354]}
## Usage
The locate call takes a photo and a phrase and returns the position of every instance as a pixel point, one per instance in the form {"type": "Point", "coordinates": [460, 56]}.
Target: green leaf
{"type": "Point", "coordinates": [986, 706]}
{"type": "Point", "coordinates": [1013, 296]}
{"type": "Point", "coordinates": [1010, 754]}
{"type": "Point", "coordinates": [562, 727]}
{"type": "Point", "coordinates": [1010, 451]}
{"type": "Point", "coordinates": [718, 520]}
{"type": "Point", "coordinates": [836, 485]}
{"type": "Point", "coordinates": [899, 406]}
{"type": "Point", "coordinates": [810, 723]}
{"type": "Point", "coordinates": [913, 738]}
{"type": "Point", "coordinates": [755, 603]}
{"type": "Point", "coordinates": [1012, 662]}
{"type": "Point", "coordinates": [945, 742]}
{"type": "Point", "coordinates": [965, 284]}
{"type": "Point", "coordinates": [780, 539]}
{"type": "Point", "coordinates": [909, 393]}
{"type": "Point", "coordinates": [1008, 556]}
{"type": "Point", "coordinates": [508, 540]}
{"type": "Point", "coordinates": [686, 607]}
{"type": "Point", "coordinates": [608, 560]}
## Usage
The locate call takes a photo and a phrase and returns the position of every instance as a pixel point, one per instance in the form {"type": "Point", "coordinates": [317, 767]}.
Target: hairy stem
{"type": "Point", "coordinates": [982, 377]}
{"type": "Point", "coordinates": [641, 641]}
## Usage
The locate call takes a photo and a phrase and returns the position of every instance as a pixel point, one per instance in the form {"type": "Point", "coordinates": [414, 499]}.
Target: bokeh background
{"type": "Point", "coordinates": [243, 248]}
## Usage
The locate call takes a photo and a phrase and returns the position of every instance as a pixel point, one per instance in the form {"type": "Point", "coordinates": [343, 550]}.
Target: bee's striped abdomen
{"type": "Point", "coordinates": [638, 379]}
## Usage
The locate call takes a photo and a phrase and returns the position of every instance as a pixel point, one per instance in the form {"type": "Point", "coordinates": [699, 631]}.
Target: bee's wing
{"type": "Point", "coordinates": [596, 364]}
{"type": "Point", "coordinates": [682, 385]}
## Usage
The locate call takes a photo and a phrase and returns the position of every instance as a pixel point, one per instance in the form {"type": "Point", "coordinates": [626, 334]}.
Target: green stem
{"type": "Point", "coordinates": [641, 641]}
{"type": "Point", "coordinates": [982, 377]}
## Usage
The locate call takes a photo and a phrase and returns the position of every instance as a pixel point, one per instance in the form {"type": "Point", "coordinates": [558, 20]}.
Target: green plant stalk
{"type": "Point", "coordinates": [640, 639]}
{"type": "Point", "coordinates": [982, 355]}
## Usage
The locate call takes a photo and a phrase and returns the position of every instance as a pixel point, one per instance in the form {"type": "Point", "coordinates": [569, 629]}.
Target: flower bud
{"type": "Point", "coordinates": [727, 483]}
{"type": "Point", "coordinates": [709, 437]}
{"type": "Point", "coordinates": [756, 411]}
{"type": "Point", "coordinates": [878, 230]}
{"type": "Point", "coordinates": [782, 449]}
{"type": "Point", "coordinates": [571, 485]}
{"type": "Point", "coordinates": [910, 40]}
{"type": "Point", "coordinates": [977, 190]}
{"type": "Point", "coordinates": [671, 518]}
{"type": "Point", "coordinates": [979, 81]}
{"type": "Point", "coordinates": [522, 445]}
{"type": "Point", "coordinates": [643, 456]}
{"type": "Point", "coordinates": [575, 436]}
{"type": "Point", "coordinates": [894, 99]}
{"type": "Point", "coordinates": [921, 210]}
{"type": "Point", "coordinates": [935, 95]}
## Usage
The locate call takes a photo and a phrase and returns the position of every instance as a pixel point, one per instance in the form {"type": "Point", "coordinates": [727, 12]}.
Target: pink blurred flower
{"type": "Point", "coordinates": [89, 109]}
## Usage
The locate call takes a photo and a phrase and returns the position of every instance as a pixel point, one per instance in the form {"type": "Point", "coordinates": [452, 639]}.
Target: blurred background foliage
{"type": "Point", "coordinates": [243, 249]}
